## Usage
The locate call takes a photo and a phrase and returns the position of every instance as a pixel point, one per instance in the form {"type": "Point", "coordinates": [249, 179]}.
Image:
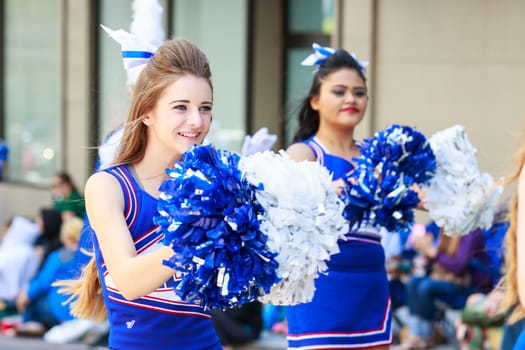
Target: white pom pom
{"type": "Point", "coordinates": [459, 198]}
{"type": "Point", "coordinates": [109, 147]}
{"type": "Point", "coordinates": [260, 141]}
{"type": "Point", "coordinates": [303, 221]}
{"type": "Point", "coordinates": [146, 26]}
{"type": "Point", "coordinates": [147, 21]}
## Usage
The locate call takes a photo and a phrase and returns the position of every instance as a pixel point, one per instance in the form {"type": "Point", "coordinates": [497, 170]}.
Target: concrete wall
{"type": "Point", "coordinates": [266, 61]}
{"type": "Point", "coordinates": [435, 64]}
{"type": "Point", "coordinates": [77, 106]}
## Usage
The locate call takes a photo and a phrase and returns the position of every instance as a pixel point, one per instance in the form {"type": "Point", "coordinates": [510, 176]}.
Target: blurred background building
{"type": "Point", "coordinates": [433, 64]}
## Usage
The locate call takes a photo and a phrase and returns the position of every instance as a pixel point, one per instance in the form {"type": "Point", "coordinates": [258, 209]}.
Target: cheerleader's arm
{"type": "Point", "coordinates": [134, 275]}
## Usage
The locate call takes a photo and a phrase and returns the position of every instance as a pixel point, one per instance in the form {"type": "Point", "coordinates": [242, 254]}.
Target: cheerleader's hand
{"type": "Point", "coordinates": [421, 193]}
{"type": "Point", "coordinates": [422, 243]}
{"type": "Point", "coordinates": [420, 239]}
{"type": "Point", "coordinates": [425, 245]}
{"type": "Point", "coordinates": [339, 185]}
{"type": "Point", "coordinates": [260, 141]}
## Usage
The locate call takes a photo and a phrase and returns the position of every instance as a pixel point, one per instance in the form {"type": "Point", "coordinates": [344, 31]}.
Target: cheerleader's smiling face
{"type": "Point", "coordinates": [342, 99]}
{"type": "Point", "coordinates": [182, 115]}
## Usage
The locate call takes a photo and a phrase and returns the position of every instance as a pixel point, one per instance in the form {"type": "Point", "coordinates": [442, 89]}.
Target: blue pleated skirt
{"type": "Point", "coordinates": [351, 305]}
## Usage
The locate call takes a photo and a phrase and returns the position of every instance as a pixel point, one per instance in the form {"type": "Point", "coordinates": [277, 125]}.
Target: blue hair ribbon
{"type": "Point", "coordinates": [321, 53]}
{"type": "Point", "coordinates": [135, 52]}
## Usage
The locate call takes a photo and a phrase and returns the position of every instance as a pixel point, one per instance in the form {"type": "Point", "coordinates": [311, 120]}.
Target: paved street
{"type": "Point", "coordinates": [270, 342]}
{"type": "Point", "coordinates": [7, 343]}
{"type": "Point", "coordinates": [267, 341]}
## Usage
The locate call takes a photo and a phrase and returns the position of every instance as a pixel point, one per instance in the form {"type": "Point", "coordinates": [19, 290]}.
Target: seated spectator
{"type": "Point", "coordinates": [66, 197]}
{"type": "Point", "coordinates": [238, 325]}
{"type": "Point", "coordinates": [451, 281]}
{"type": "Point", "coordinates": [18, 259]}
{"type": "Point", "coordinates": [484, 314]}
{"type": "Point", "coordinates": [41, 304]}
{"type": "Point", "coordinates": [404, 262]}
{"type": "Point", "coordinates": [274, 318]}
{"type": "Point", "coordinates": [398, 265]}
{"type": "Point", "coordinates": [481, 311]}
{"type": "Point", "coordinates": [48, 222]}
{"type": "Point", "coordinates": [399, 255]}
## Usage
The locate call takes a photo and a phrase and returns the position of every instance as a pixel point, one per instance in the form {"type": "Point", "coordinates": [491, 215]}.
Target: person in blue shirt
{"type": "Point", "coordinates": [41, 304]}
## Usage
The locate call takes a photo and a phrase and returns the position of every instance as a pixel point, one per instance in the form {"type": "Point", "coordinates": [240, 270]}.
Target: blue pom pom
{"type": "Point", "coordinates": [379, 186]}
{"type": "Point", "coordinates": [209, 216]}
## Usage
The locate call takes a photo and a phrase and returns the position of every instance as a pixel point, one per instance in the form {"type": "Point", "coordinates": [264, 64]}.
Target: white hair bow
{"type": "Point", "coordinates": [135, 52]}
{"type": "Point", "coordinates": [321, 53]}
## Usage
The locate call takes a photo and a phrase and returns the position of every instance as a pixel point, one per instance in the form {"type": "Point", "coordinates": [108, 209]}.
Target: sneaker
{"type": "Point", "coordinates": [68, 331]}
{"type": "Point", "coordinates": [97, 334]}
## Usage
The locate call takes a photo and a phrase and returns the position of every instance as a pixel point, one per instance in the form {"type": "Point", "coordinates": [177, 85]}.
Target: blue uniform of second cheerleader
{"type": "Point", "coordinates": [351, 305]}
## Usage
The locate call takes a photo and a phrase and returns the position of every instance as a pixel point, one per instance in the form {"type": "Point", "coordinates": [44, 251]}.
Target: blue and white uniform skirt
{"type": "Point", "coordinates": [351, 305]}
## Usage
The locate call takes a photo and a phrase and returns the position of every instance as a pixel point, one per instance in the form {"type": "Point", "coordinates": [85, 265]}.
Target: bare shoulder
{"type": "Point", "coordinates": [102, 183]}
{"type": "Point", "coordinates": [104, 198]}
{"type": "Point", "coordinates": [300, 151]}
{"type": "Point", "coordinates": [100, 180]}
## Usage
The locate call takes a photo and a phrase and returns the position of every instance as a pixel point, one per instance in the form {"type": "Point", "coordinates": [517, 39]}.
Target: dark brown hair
{"type": "Point", "coordinates": [309, 118]}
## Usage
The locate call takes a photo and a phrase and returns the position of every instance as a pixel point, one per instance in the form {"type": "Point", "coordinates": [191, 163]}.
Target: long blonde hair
{"type": "Point", "coordinates": [510, 279]}
{"type": "Point", "coordinates": [172, 60]}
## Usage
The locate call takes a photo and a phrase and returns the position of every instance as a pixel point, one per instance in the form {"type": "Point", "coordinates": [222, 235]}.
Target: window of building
{"type": "Point", "coordinates": [220, 29]}
{"type": "Point", "coordinates": [32, 89]}
{"type": "Point", "coordinates": [307, 21]}
{"type": "Point", "coordinates": [112, 96]}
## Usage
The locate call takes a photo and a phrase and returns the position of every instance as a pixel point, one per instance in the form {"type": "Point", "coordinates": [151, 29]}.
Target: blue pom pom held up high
{"type": "Point", "coordinates": [380, 187]}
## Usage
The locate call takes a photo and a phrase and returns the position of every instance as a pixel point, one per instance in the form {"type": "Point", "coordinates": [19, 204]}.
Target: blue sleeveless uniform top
{"type": "Point", "coordinates": [336, 165]}
{"type": "Point", "coordinates": [159, 320]}
{"type": "Point", "coordinates": [351, 304]}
